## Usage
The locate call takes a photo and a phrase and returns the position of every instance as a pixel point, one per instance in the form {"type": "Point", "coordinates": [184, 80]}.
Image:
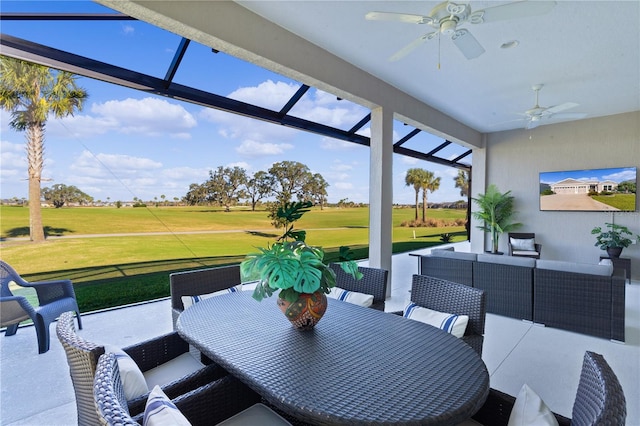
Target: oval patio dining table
{"type": "Point", "coordinates": [357, 366]}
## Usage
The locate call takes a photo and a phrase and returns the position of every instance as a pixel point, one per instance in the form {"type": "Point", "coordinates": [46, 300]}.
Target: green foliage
{"type": "Point", "coordinates": [293, 266]}
{"type": "Point", "coordinates": [625, 202]}
{"type": "Point", "coordinates": [615, 236]}
{"type": "Point", "coordinates": [445, 238]}
{"type": "Point", "coordinates": [496, 210]}
{"type": "Point", "coordinates": [60, 194]}
{"type": "Point", "coordinates": [547, 192]}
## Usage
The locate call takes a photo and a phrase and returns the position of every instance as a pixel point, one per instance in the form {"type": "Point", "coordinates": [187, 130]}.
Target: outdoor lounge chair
{"type": "Point", "coordinates": [82, 357]}
{"type": "Point", "coordinates": [54, 298]}
{"type": "Point", "coordinates": [523, 244]}
{"type": "Point", "coordinates": [599, 399]}
{"type": "Point", "coordinates": [199, 282]}
{"type": "Point", "coordinates": [453, 298]}
{"type": "Point", "coordinates": [223, 399]}
{"type": "Point", "coordinates": [373, 281]}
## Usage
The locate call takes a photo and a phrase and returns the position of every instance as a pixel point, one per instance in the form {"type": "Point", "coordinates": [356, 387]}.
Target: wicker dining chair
{"type": "Point", "coordinates": [599, 399]}
{"type": "Point", "coordinates": [373, 281]}
{"type": "Point", "coordinates": [207, 405]}
{"type": "Point", "coordinates": [54, 298]}
{"type": "Point", "coordinates": [199, 282]}
{"type": "Point", "coordinates": [82, 357]}
{"type": "Point", "coordinates": [454, 298]}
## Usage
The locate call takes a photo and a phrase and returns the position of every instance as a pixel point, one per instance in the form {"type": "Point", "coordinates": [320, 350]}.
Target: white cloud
{"type": "Point", "coordinates": [331, 144]}
{"type": "Point", "coordinates": [100, 165]}
{"type": "Point", "coordinates": [268, 94]}
{"type": "Point", "coordinates": [241, 164]}
{"type": "Point", "coordinates": [127, 29]}
{"type": "Point", "coordinates": [255, 149]}
{"type": "Point", "coordinates": [344, 185]}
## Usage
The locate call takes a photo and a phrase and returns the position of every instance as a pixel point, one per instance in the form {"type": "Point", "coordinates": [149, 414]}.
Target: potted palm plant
{"type": "Point", "coordinates": [613, 239]}
{"type": "Point", "coordinates": [296, 269]}
{"type": "Point", "coordinates": [495, 210]}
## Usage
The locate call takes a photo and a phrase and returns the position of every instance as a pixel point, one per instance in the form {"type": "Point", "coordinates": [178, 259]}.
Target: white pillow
{"type": "Point", "coordinates": [530, 410]}
{"type": "Point", "coordinates": [133, 380]}
{"type": "Point", "coordinates": [188, 301]}
{"type": "Point", "coordinates": [160, 411]}
{"type": "Point", "coordinates": [354, 297]}
{"type": "Point", "coordinates": [522, 244]}
{"type": "Point", "coordinates": [451, 323]}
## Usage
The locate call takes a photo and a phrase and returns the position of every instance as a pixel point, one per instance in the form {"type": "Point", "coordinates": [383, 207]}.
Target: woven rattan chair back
{"type": "Point", "coordinates": [82, 357]}
{"type": "Point", "coordinates": [198, 282]}
{"type": "Point", "coordinates": [108, 393]}
{"type": "Point", "coordinates": [446, 296]}
{"type": "Point", "coordinates": [599, 399]}
{"type": "Point", "coordinates": [373, 281]}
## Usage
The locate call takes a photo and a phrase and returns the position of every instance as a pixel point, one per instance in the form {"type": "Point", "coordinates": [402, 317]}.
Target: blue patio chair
{"type": "Point", "coordinates": [54, 298]}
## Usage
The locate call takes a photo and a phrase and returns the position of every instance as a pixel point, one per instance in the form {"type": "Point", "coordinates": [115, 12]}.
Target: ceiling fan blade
{"type": "Point", "coordinates": [561, 107]}
{"type": "Point", "coordinates": [520, 9]}
{"type": "Point", "coordinates": [415, 43]}
{"type": "Point", "coordinates": [569, 116]}
{"type": "Point", "coordinates": [532, 124]}
{"type": "Point", "coordinates": [398, 17]}
{"type": "Point", "coordinates": [467, 43]}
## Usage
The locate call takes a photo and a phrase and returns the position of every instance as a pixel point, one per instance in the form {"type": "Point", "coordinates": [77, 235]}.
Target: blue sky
{"type": "Point", "coordinates": [126, 143]}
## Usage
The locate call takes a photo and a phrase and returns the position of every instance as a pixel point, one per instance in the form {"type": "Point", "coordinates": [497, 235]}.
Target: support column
{"type": "Point", "coordinates": [381, 190]}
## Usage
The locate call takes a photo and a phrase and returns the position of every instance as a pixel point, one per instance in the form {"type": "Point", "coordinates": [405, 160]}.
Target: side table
{"type": "Point", "coordinates": [621, 262]}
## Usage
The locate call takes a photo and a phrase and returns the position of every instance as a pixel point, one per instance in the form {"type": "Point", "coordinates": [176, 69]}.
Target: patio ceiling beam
{"type": "Point", "coordinates": [439, 147]}
{"type": "Point", "coordinates": [360, 123]}
{"type": "Point", "coordinates": [407, 137]}
{"type": "Point", "coordinates": [294, 100]}
{"type": "Point", "coordinates": [21, 16]}
{"type": "Point", "coordinates": [58, 59]}
{"type": "Point", "coordinates": [175, 62]}
{"type": "Point", "coordinates": [460, 157]}
{"type": "Point", "coordinates": [426, 157]}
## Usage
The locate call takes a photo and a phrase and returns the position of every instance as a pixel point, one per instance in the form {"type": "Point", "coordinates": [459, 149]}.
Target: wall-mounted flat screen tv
{"type": "Point", "coordinates": [597, 190]}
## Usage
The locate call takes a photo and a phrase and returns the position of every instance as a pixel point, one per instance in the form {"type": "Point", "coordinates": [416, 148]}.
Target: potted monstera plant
{"type": "Point", "coordinates": [297, 270]}
{"type": "Point", "coordinates": [495, 210]}
{"type": "Point", "coordinates": [613, 239]}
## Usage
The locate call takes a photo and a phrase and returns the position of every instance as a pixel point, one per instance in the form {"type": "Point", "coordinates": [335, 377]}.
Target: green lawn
{"type": "Point", "coordinates": [113, 270]}
{"type": "Point", "coordinates": [625, 202]}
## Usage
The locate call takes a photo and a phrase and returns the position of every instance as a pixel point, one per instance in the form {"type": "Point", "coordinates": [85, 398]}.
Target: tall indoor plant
{"type": "Point", "coordinates": [614, 239]}
{"type": "Point", "coordinates": [495, 210]}
{"type": "Point", "coordinates": [296, 269]}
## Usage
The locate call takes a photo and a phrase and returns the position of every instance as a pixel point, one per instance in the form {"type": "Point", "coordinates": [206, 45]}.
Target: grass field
{"type": "Point", "coordinates": [120, 256]}
{"type": "Point", "coordinates": [625, 202]}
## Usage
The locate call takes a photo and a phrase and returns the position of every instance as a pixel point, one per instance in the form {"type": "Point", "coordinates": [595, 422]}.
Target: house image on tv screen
{"type": "Point", "coordinates": [573, 186]}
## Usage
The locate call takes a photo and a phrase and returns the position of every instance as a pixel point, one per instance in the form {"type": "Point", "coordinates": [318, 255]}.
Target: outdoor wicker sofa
{"type": "Point", "coordinates": [578, 297]}
{"type": "Point", "coordinates": [198, 282]}
{"type": "Point", "coordinates": [373, 281]}
{"type": "Point", "coordinates": [508, 283]}
{"type": "Point", "coordinates": [599, 399]}
{"type": "Point", "coordinates": [82, 357]}
{"type": "Point", "coordinates": [449, 265]}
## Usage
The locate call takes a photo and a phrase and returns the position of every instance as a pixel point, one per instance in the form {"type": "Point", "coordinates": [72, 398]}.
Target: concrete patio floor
{"type": "Point", "coordinates": [37, 390]}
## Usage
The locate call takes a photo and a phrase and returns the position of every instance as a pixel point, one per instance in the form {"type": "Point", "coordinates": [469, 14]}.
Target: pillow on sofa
{"type": "Point", "coordinates": [507, 260]}
{"type": "Point", "coordinates": [530, 409]}
{"type": "Point", "coordinates": [522, 244]}
{"type": "Point", "coordinates": [188, 301]}
{"type": "Point", "coordinates": [454, 254]}
{"type": "Point", "coordinates": [451, 323]}
{"type": "Point", "coordinates": [576, 268]}
{"type": "Point", "coordinates": [354, 297]}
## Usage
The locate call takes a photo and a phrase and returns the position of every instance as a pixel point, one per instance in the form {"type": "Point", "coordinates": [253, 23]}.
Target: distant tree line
{"type": "Point", "coordinates": [284, 181]}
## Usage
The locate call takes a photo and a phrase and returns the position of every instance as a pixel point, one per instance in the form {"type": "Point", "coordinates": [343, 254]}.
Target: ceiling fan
{"type": "Point", "coordinates": [447, 17]}
{"type": "Point", "coordinates": [538, 115]}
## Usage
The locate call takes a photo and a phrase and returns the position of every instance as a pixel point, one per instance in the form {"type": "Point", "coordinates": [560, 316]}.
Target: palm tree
{"type": "Point", "coordinates": [462, 182]}
{"type": "Point", "coordinates": [30, 93]}
{"type": "Point", "coordinates": [429, 183]}
{"type": "Point", "coordinates": [414, 178]}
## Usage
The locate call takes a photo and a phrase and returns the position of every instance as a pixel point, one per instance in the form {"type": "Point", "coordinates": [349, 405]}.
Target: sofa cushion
{"type": "Point", "coordinates": [507, 260]}
{"type": "Point", "coordinates": [576, 268]}
{"type": "Point", "coordinates": [454, 254]}
{"type": "Point", "coordinates": [172, 370]}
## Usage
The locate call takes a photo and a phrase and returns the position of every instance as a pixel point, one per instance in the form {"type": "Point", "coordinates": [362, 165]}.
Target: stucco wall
{"type": "Point", "coordinates": [515, 158]}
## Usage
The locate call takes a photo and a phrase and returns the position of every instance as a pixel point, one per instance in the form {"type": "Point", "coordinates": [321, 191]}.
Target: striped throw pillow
{"type": "Point", "coordinates": [354, 297]}
{"type": "Point", "coordinates": [188, 301]}
{"type": "Point", "coordinates": [161, 411]}
{"type": "Point", "coordinates": [451, 323]}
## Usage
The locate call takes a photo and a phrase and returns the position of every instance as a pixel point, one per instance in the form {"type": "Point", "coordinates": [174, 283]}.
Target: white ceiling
{"type": "Point", "coordinates": [586, 52]}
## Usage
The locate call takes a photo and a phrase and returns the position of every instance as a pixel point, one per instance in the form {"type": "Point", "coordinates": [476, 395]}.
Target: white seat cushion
{"type": "Point", "coordinates": [451, 323]}
{"type": "Point", "coordinates": [530, 410]}
{"type": "Point", "coordinates": [354, 297]}
{"type": "Point", "coordinates": [172, 370]}
{"type": "Point", "coordinates": [523, 244]}
{"type": "Point", "coordinates": [257, 414]}
{"type": "Point", "coordinates": [160, 411]}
